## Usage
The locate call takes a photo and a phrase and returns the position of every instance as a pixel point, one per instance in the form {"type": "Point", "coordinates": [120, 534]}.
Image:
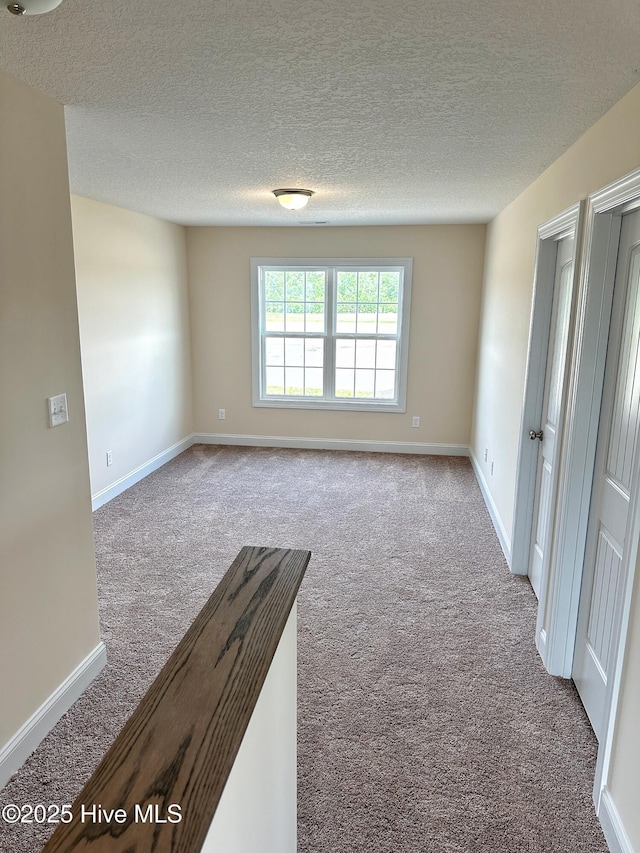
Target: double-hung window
{"type": "Point", "coordinates": [331, 333]}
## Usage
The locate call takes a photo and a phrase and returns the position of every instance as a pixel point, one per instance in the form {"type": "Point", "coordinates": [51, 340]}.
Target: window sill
{"type": "Point", "coordinates": [331, 405]}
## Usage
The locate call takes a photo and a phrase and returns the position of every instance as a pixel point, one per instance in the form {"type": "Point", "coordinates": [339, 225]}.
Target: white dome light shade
{"type": "Point", "coordinates": [33, 7]}
{"type": "Point", "coordinates": [293, 199]}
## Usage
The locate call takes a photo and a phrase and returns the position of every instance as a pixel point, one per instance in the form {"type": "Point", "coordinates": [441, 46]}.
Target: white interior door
{"type": "Point", "coordinates": [548, 433]}
{"type": "Point", "coordinates": [615, 483]}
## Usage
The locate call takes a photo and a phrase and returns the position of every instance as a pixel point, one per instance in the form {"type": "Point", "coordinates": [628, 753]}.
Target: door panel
{"type": "Point", "coordinates": [606, 583]}
{"type": "Point", "coordinates": [607, 540]}
{"type": "Point", "coordinates": [624, 426]}
{"type": "Point", "coordinates": [552, 412]}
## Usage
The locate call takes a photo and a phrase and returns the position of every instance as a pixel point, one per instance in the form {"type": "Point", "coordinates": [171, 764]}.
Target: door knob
{"type": "Point", "coordinates": [533, 434]}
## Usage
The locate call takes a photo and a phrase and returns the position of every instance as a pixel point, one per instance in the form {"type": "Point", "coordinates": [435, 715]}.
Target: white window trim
{"type": "Point", "coordinates": [400, 404]}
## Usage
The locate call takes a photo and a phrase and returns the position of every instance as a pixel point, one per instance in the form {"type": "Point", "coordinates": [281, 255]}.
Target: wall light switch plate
{"type": "Point", "coordinates": [58, 412]}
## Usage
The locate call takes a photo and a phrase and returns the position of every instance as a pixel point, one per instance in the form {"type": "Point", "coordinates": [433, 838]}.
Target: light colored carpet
{"type": "Point", "coordinates": [426, 721]}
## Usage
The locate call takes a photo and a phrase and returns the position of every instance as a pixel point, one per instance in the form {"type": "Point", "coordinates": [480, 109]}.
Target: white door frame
{"type": "Point", "coordinates": [610, 204]}
{"type": "Point", "coordinates": [558, 609]}
{"type": "Point", "coordinates": [558, 612]}
{"type": "Point", "coordinates": [566, 224]}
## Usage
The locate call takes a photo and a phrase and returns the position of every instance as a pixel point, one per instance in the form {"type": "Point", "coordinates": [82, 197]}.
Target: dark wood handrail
{"type": "Point", "coordinates": [179, 745]}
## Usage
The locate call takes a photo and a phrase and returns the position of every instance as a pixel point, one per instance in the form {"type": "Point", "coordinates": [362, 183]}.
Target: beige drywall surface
{"type": "Point", "coordinates": [48, 604]}
{"type": "Point", "coordinates": [134, 331]}
{"type": "Point", "coordinates": [447, 270]}
{"type": "Point", "coordinates": [609, 150]}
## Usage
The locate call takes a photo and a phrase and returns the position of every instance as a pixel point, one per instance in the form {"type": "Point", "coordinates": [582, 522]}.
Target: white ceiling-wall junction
{"type": "Point", "coordinates": [392, 112]}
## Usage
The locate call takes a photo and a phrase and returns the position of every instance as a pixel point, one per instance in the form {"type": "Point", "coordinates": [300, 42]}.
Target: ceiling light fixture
{"type": "Point", "coordinates": [293, 199]}
{"type": "Point", "coordinates": [33, 7]}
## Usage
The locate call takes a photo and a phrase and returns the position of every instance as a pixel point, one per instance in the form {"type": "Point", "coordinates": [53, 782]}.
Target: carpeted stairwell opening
{"type": "Point", "coordinates": [427, 723]}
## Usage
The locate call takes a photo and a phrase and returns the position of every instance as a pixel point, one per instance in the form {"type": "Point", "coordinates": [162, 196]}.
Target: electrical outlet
{"type": "Point", "coordinates": [109, 458]}
{"type": "Point", "coordinates": [57, 408]}
{"type": "Point", "coordinates": [222, 414]}
{"type": "Point", "coordinates": [416, 421]}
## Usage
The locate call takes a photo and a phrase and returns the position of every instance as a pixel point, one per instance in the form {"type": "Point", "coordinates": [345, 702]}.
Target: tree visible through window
{"type": "Point", "coordinates": [331, 334]}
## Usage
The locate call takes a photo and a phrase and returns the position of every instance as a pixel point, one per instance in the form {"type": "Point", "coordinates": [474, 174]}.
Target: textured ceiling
{"type": "Point", "coordinates": [411, 111]}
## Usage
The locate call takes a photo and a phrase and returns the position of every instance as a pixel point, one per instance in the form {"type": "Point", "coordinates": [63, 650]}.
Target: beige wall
{"type": "Point", "coordinates": [447, 270]}
{"type": "Point", "coordinates": [609, 150]}
{"type": "Point", "coordinates": [134, 332]}
{"type": "Point", "coordinates": [48, 605]}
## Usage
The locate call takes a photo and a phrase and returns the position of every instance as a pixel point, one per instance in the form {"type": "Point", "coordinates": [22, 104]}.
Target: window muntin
{"type": "Point", "coordinates": [331, 333]}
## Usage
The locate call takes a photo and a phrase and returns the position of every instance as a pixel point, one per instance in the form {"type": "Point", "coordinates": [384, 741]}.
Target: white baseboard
{"type": "Point", "coordinates": [105, 495]}
{"type": "Point", "coordinates": [612, 826]}
{"type": "Point", "coordinates": [332, 444]}
{"type": "Point", "coordinates": [14, 753]}
{"type": "Point", "coordinates": [503, 538]}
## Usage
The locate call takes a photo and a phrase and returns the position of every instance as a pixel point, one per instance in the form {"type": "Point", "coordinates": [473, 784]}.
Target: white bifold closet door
{"type": "Point", "coordinates": [614, 489]}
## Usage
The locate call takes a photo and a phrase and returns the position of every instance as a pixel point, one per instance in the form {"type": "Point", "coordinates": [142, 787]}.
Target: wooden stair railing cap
{"type": "Point", "coordinates": [179, 745]}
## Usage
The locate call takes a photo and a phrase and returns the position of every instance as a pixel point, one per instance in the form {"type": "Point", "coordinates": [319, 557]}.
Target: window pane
{"type": "Point", "coordinates": [294, 381]}
{"type": "Point", "coordinates": [386, 355]}
{"type": "Point", "coordinates": [313, 352]}
{"type": "Point", "coordinates": [294, 352]}
{"type": "Point", "coordinates": [313, 381]}
{"type": "Point", "coordinates": [295, 317]}
{"type": "Point", "coordinates": [344, 382]}
{"type": "Point", "coordinates": [274, 286]}
{"type": "Point", "coordinates": [365, 381]}
{"type": "Point", "coordinates": [367, 287]}
{"type": "Point", "coordinates": [385, 384]}
{"type": "Point", "coordinates": [314, 318]}
{"type": "Point", "coordinates": [274, 351]}
{"type": "Point", "coordinates": [366, 354]}
{"type": "Point", "coordinates": [295, 286]}
{"type": "Point", "coordinates": [389, 286]}
{"type": "Point", "coordinates": [366, 319]}
{"type": "Point", "coordinates": [345, 353]}
{"type": "Point", "coordinates": [297, 328]}
{"type": "Point", "coordinates": [347, 286]}
{"type": "Point", "coordinates": [346, 318]}
{"type": "Point", "coordinates": [274, 317]}
{"type": "Point", "coordinates": [315, 287]}
{"type": "Point", "coordinates": [388, 319]}
{"type": "Point", "coordinates": [275, 380]}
